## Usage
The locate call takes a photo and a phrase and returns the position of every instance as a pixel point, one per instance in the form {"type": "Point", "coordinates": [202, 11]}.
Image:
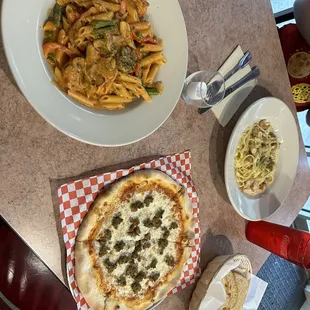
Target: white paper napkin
{"type": "Point", "coordinates": [228, 106]}
{"type": "Point", "coordinates": [255, 294]}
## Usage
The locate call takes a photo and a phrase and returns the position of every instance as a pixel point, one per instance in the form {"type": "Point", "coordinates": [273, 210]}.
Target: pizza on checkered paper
{"type": "Point", "coordinates": [134, 241]}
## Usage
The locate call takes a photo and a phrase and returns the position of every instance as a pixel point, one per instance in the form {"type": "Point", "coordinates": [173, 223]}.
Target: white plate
{"type": "Point", "coordinates": [281, 118]}
{"type": "Point", "coordinates": [22, 37]}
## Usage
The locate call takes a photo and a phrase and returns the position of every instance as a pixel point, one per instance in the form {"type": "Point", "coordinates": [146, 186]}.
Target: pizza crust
{"type": "Point", "coordinates": [143, 178]}
{"type": "Point", "coordinates": [100, 209]}
{"type": "Point", "coordinates": [159, 176]}
{"type": "Point", "coordinates": [189, 224]}
{"type": "Point", "coordinates": [130, 305]}
{"type": "Point", "coordinates": [86, 277]}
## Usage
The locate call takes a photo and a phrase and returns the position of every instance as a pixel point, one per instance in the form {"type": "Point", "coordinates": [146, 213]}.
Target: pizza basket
{"type": "Point", "coordinates": [211, 272]}
{"type": "Point", "coordinates": [76, 197]}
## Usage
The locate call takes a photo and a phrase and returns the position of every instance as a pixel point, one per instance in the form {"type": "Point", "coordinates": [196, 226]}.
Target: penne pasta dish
{"type": "Point", "coordinates": [103, 53]}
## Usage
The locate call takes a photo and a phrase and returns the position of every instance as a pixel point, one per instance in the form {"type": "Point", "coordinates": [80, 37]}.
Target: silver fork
{"type": "Point", "coordinates": [243, 62]}
{"type": "Point", "coordinates": [215, 86]}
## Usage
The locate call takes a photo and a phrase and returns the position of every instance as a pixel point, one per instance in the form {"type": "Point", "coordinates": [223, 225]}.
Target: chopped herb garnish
{"type": "Point", "coordinates": [97, 24]}
{"type": "Point", "coordinates": [169, 260]}
{"type": "Point", "coordinates": [173, 225]}
{"type": "Point", "coordinates": [148, 199]}
{"type": "Point", "coordinates": [56, 15]}
{"type": "Point", "coordinates": [136, 287]}
{"type": "Point", "coordinates": [136, 205]}
{"type": "Point", "coordinates": [153, 263]}
{"type": "Point", "coordinates": [123, 259]}
{"type": "Point", "coordinates": [51, 57]}
{"type": "Point", "coordinates": [147, 223]}
{"type": "Point", "coordinates": [48, 35]}
{"type": "Point", "coordinates": [116, 221]}
{"type": "Point", "coordinates": [152, 91]}
{"type": "Point", "coordinates": [119, 245]}
{"type": "Point", "coordinates": [103, 250]}
{"type": "Point", "coordinates": [121, 281]}
{"type": "Point", "coordinates": [109, 265]}
{"type": "Point", "coordinates": [132, 270]}
{"type": "Point", "coordinates": [154, 276]}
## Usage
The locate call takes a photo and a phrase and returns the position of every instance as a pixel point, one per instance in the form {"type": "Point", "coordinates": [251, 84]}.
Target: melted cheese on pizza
{"type": "Point", "coordinates": [133, 245]}
{"type": "Point", "coordinates": [160, 203]}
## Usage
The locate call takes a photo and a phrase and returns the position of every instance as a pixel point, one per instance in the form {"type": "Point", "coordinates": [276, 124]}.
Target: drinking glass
{"type": "Point", "coordinates": [288, 243]}
{"type": "Point", "coordinates": [204, 89]}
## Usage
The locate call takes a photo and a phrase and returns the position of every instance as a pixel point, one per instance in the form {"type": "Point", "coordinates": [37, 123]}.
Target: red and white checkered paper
{"type": "Point", "coordinates": [76, 197]}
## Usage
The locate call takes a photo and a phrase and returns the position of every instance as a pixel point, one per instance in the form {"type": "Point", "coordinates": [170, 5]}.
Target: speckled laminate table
{"type": "Point", "coordinates": [33, 154]}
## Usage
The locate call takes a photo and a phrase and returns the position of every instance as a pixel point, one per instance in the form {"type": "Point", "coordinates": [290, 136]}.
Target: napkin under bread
{"type": "Point", "coordinates": [224, 110]}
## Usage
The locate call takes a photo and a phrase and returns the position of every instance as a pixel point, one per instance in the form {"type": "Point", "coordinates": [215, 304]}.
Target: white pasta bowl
{"type": "Point", "coordinates": [22, 37]}
{"type": "Point", "coordinates": [279, 115]}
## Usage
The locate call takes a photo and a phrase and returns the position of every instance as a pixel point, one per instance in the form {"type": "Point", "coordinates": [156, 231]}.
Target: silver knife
{"type": "Point", "coordinates": [254, 74]}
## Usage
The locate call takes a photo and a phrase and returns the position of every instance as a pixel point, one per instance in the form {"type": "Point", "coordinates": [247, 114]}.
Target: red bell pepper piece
{"type": "Point", "coordinates": [137, 69]}
{"type": "Point", "coordinates": [144, 40]}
